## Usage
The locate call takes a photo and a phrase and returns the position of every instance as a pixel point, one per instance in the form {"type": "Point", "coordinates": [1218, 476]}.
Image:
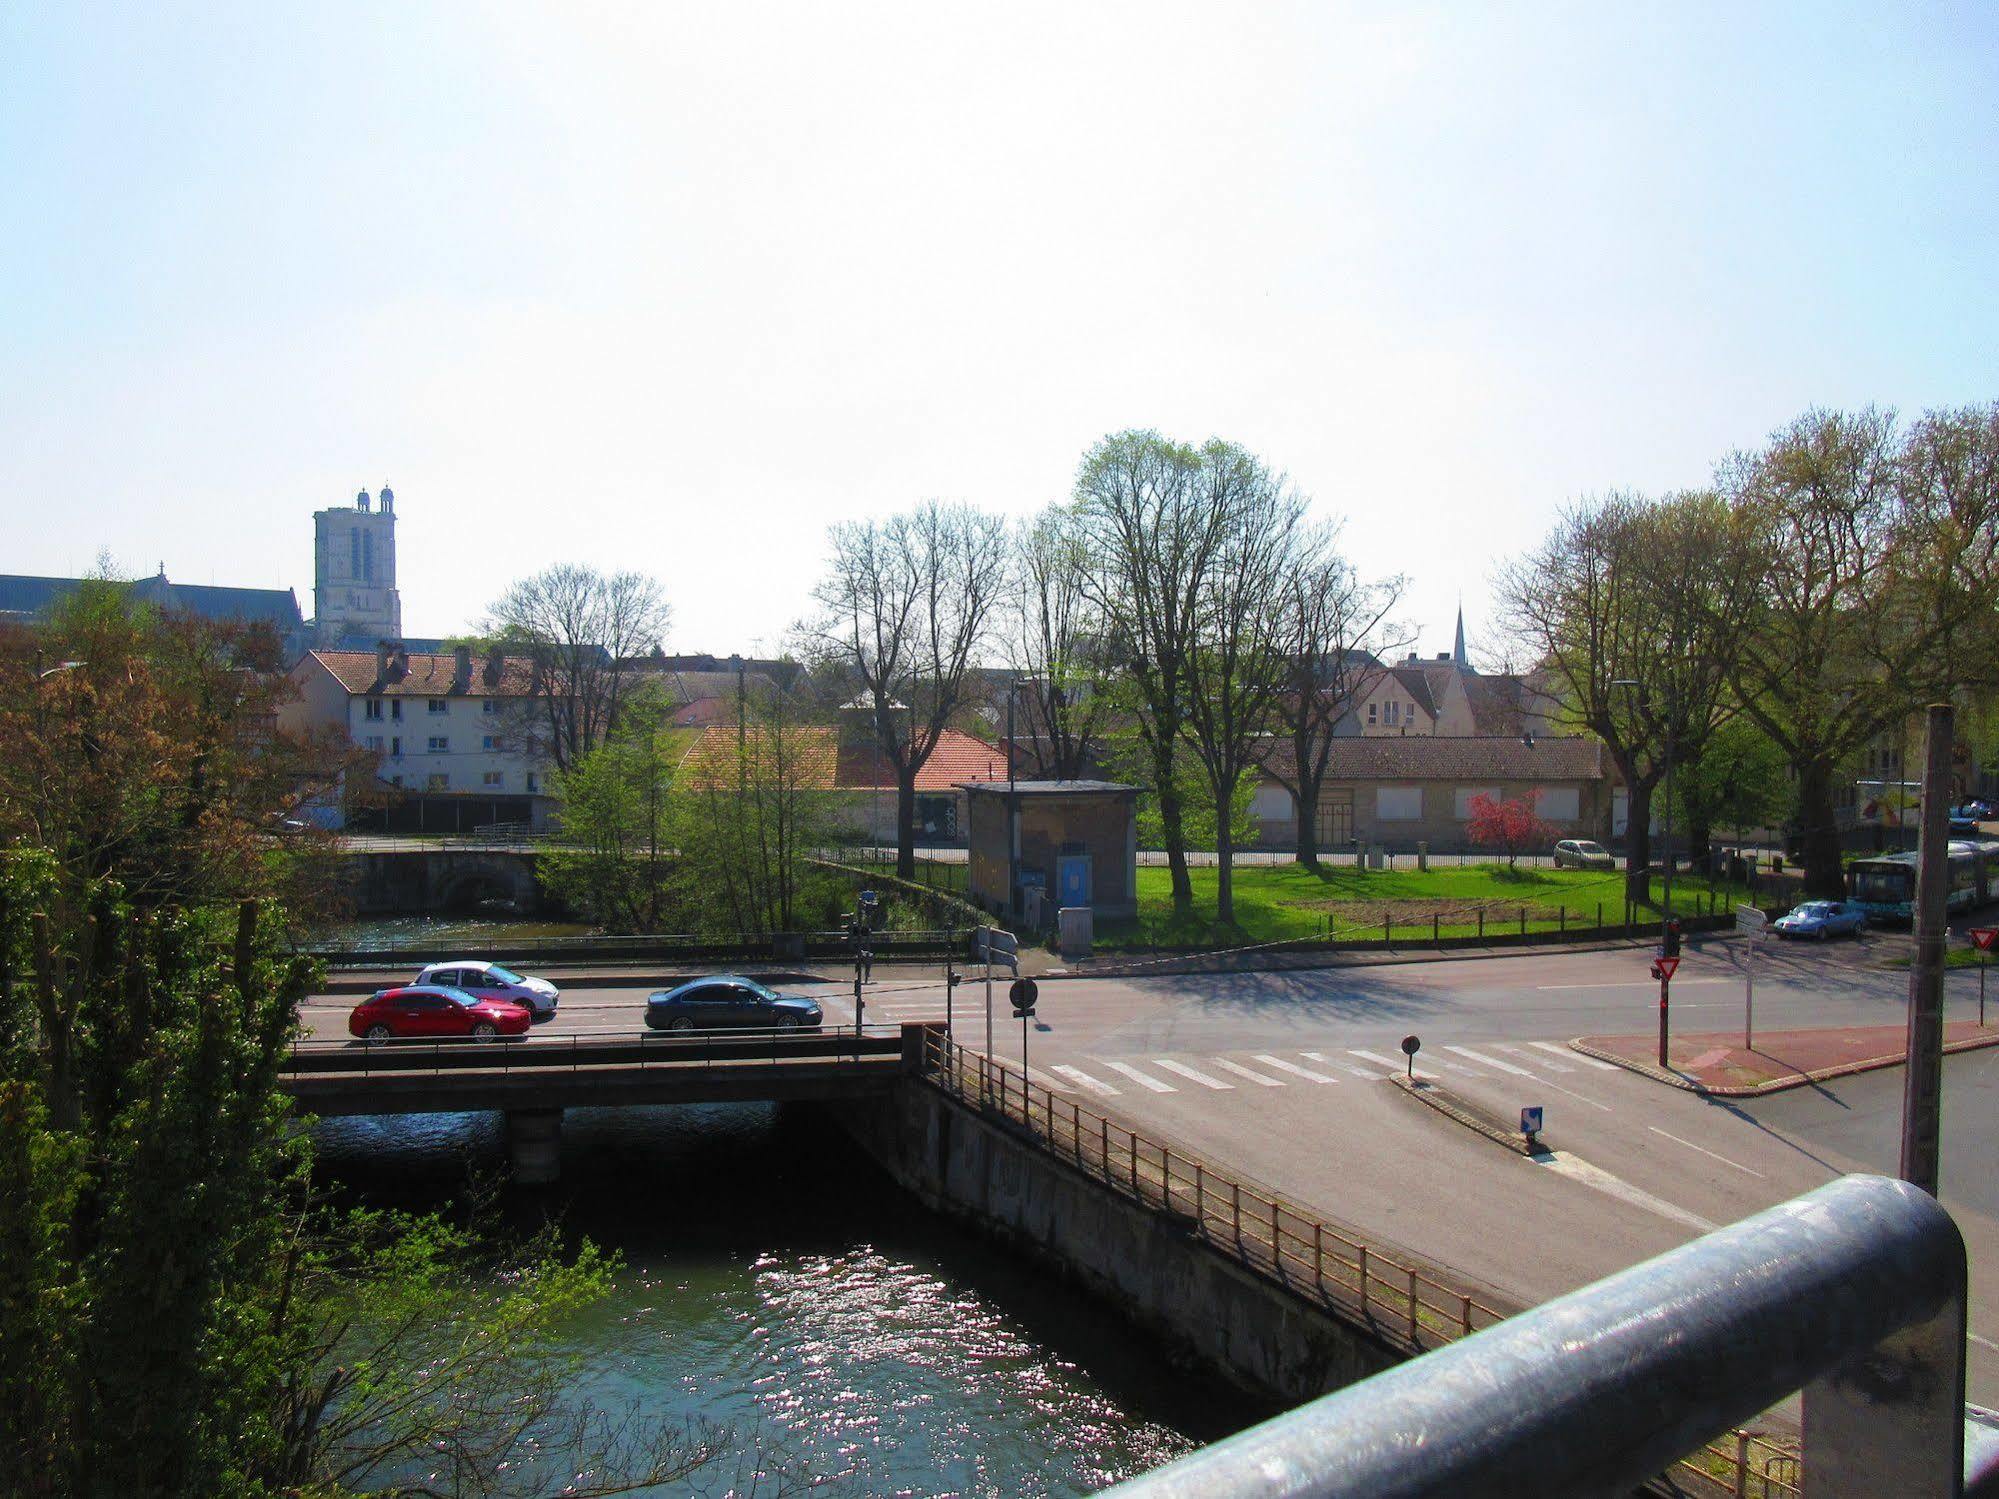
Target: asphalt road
{"type": "Point", "coordinates": [1281, 1077]}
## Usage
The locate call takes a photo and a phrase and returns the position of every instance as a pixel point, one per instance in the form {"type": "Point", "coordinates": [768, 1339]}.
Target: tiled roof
{"type": "Point", "coordinates": [856, 765]}
{"type": "Point", "coordinates": [429, 675]}
{"type": "Point", "coordinates": [1430, 757]}
{"type": "Point", "coordinates": [20, 594]}
{"type": "Point", "coordinates": [1417, 686]}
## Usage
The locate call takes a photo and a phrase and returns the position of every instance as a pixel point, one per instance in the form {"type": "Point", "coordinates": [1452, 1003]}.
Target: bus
{"type": "Point", "coordinates": [1886, 887]}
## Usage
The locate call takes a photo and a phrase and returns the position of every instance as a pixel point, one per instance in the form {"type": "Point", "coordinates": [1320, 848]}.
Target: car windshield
{"type": "Point", "coordinates": [502, 975]}
{"type": "Point", "coordinates": [757, 989]}
{"type": "Point", "coordinates": [1816, 908]}
{"type": "Point", "coordinates": [1588, 848]}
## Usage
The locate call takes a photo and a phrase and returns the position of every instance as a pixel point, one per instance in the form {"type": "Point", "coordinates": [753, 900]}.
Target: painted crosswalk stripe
{"type": "Point", "coordinates": [1078, 1075]}
{"type": "Point", "coordinates": [1320, 1056]}
{"type": "Point", "coordinates": [1293, 1068]}
{"type": "Point", "coordinates": [1191, 1072]}
{"type": "Point", "coordinates": [1389, 1062]}
{"type": "Point", "coordinates": [1241, 1071]}
{"type": "Point", "coordinates": [1142, 1079]}
{"type": "Point", "coordinates": [1574, 1056]}
{"type": "Point", "coordinates": [1485, 1061]}
{"type": "Point", "coordinates": [1521, 1052]}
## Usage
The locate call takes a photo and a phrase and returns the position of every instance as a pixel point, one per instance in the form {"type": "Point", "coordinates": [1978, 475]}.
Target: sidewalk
{"type": "Point", "coordinates": [1716, 1063]}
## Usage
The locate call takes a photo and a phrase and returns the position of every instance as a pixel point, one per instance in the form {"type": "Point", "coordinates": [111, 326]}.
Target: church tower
{"type": "Point", "coordinates": [354, 598]}
{"type": "Point", "coordinates": [1458, 657]}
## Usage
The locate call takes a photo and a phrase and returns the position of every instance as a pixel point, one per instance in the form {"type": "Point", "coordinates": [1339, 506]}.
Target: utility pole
{"type": "Point", "coordinates": [1922, 1096]}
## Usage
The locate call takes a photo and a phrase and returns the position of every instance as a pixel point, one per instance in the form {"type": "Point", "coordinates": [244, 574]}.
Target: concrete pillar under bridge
{"type": "Point", "coordinates": [534, 1145]}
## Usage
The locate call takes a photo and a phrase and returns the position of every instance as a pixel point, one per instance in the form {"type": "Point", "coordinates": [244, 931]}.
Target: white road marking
{"type": "Point", "coordinates": [1485, 1061]}
{"type": "Point", "coordinates": [1077, 1074]}
{"type": "Point", "coordinates": [1515, 1051]}
{"type": "Point", "coordinates": [1141, 1078]}
{"type": "Point", "coordinates": [1704, 1151]}
{"type": "Point", "coordinates": [1574, 1055]}
{"type": "Point", "coordinates": [1241, 1071]}
{"type": "Point", "coordinates": [1632, 984]}
{"type": "Point", "coordinates": [1191, 1072]}
{"type": "Point", "coordinates": [1389, 1062]}
{"type": "Point", "coordinates": [1292, 1067]}
{"type": "Point", "coordinates": [1983, 1342]}
{"type": "Point", "coordinates": [1563, 1164]}
{"type": "Point", "coordinates": [1320, 1056]}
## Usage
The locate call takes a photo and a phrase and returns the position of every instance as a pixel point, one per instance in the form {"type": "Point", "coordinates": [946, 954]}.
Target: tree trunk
{"type": "Point", "coordinates": [905, 826]}
{"type": "Point", "coordinates": [1224, 859]}
{"type": "Point", "coordinates": [1637, 840]}
{"type": "Point", "coordinates": [1825, 874]}
{"type": "Point", "coordinates": [1175, 834]}
{"type": "Point", "coordinates": [1306, 799]}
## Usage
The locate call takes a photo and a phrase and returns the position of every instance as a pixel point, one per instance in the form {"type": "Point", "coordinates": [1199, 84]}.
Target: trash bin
{"type": "Point", "coordinates": [1077, 925]}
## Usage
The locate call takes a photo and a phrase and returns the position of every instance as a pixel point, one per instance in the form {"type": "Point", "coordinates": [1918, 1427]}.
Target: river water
{"type": "Point", "coordinates": [776, 1283]}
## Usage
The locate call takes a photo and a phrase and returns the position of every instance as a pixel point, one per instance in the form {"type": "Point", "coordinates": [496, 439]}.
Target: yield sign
{"type": "Point", "coordinates": [1981, 937]}
{"type": "Point", "coordinates": [1667, 967]}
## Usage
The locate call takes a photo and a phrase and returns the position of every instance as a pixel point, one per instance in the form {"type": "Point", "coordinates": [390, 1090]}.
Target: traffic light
{"type": "Point", "coordinates": [1671, 947]}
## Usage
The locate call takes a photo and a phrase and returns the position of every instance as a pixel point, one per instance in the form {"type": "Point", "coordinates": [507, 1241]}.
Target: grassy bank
{"type": "Point", "coordinates": [1288, 903]}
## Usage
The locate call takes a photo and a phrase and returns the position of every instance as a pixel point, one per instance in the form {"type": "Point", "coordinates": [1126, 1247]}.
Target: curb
{"type": "Point", "coordinates": [1451, 1107]}
{"type": "Point", "coordinates": [1775, 1085]}
{"type": "Point", "coordinates": [1197, 965]}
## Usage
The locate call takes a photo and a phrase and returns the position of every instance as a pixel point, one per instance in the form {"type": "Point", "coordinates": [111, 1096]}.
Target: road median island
{"type": "Point", "coordinates": [1716, 1063]}
{"type": "Point", "coordinates": [1479, 1121]}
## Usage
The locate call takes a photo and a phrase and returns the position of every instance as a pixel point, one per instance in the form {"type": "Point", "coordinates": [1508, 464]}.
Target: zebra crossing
{"type": "Point", "coordinates": [1221, 1074]}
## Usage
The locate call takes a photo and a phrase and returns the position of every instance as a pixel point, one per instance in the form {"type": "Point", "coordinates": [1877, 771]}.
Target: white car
{"type": "Point", "coordinates": [490, 981]}
{"type": "Point", "coordinates": [1582, 853]}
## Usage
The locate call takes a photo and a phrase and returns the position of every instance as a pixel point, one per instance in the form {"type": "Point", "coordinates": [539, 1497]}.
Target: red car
{"type": "Point", "coordinates": [433, 1012]}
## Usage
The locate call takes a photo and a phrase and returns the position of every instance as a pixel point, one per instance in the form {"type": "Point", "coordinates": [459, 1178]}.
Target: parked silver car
{"type": "Point", "coordinates": [491, 981]}
{"type": "Point", "coordinates": [1582, 853]}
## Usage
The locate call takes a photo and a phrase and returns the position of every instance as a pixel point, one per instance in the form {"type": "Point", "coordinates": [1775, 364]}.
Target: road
{"type": "Point", "coordinates": [1281, 1077]}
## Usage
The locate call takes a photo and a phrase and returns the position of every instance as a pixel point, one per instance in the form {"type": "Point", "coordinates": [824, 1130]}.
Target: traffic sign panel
{"type": "Point", "coordinates": [1750, 919]}
{"type": "Point", "coordinates": [1981, 937]}
{"type": "Point", "coordinates": [1666, 967]}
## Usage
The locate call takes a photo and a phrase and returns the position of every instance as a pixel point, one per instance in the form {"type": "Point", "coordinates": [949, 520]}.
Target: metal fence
{"type": "Point", "coordinates": [1414, 1306]}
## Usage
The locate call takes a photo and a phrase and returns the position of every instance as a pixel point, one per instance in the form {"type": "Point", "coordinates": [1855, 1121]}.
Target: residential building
{"type": "Point", "coordinates": [445, 731]}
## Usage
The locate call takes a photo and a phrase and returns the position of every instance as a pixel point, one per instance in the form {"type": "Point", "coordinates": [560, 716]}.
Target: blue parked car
{"type": "Point", "coordinates": [729, 1001]}
{"type": "Point", "coordinates": [1822, 919]}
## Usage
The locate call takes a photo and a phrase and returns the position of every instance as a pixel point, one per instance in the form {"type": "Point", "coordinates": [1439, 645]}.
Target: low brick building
{"type": "Point", "coordinates": [1400, 792]}
{"type": "Point", "coordinates": [1075, 842]}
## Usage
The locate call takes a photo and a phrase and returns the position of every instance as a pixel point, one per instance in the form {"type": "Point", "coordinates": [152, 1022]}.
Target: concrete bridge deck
{"type": "Point", "coordinates": [549, 1074]}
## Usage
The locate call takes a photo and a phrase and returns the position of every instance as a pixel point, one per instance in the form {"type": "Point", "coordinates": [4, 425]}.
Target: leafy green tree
{"type": "Point", "coordinates": [616, 861]}
{"type": "Point", "coordinates": [1740, 781]}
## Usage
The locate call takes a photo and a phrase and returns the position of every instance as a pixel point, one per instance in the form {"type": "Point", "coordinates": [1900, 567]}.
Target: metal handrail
{"type": "Point", "coordinates": [407, 1056]}
{"type": "Point", "coordinates": [1854, 1293]}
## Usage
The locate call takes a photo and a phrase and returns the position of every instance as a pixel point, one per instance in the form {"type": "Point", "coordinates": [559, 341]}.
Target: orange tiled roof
{"type": "Point", "coordinates": [857, 766]}
{"type": "Point", "coordinates": [429, 675]}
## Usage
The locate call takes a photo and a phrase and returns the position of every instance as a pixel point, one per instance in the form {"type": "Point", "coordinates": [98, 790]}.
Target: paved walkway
{"type": "Point", "coordinates": [1717, 1063]}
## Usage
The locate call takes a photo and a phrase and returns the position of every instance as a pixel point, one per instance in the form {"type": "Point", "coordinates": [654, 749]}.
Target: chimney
{"type": "Point", "coordinates": [382, 649]}
{"type": "Point", "coordinates": [1443, 655]}
{"type": "Point", "coordinates": [496, 667]}
{"type": "Point", "coordinates": [399, 661]}
{"type": "Point", "coordinates": [461, 669]}
{"type": "Point", "coordinates": [1413, 658]}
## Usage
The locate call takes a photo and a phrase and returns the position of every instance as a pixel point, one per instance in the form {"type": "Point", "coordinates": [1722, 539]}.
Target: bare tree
{"type": "Point", "coordinates": [1335, 642]}
{"type": "Point", "coordinates": [1155, 543]}
{"type": "Point", "coordinates": [1054, 645]}
{"type": "Point", "coordinates": [574, 625]}
{"type": "Point", "coordinates": [1636, 611]}
{"type": "Point", "coordinates": [1877, 579]}
{"type": "Point", "coordinates": [906, 606]}
{"type": "Point", "coordinates": [1239, 665]}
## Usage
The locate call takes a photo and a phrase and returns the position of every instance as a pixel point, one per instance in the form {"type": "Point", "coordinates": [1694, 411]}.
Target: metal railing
{"type": "Point", "coordinates": [1854, 1293]}
{"type": "Point", "coordinates": [1407, 1304]}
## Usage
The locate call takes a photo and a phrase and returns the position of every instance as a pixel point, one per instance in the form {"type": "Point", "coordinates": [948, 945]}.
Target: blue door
{"type": "Point", "coordinates": [1072, 875]}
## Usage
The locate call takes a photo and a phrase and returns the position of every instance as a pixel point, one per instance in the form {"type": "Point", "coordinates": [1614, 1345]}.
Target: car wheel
{"type": "Point", "coordinates": [485, 1030]}
{"type": "Point", "coordinates": [379, 1032]}
{"type": "Point", "coordinates": [790, 1022]}
{"type": "Point", "coordinates": [681, 1023]}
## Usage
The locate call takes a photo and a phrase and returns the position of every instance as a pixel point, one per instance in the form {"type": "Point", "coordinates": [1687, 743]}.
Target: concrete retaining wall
{"type": "Point", "coordinates": [1271, 1342]}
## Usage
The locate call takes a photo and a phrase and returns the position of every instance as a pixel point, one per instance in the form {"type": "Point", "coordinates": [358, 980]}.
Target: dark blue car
{"type": "Point", "coordinates": [728, 1001]}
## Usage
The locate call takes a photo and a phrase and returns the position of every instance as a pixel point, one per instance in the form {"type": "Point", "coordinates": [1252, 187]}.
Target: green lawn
{"type": "Point", "coordinates": [1288, 903]}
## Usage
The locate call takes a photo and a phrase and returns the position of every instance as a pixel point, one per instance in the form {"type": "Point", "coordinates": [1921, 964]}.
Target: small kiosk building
{"type": "Point", "coordinates": [1064, 843]}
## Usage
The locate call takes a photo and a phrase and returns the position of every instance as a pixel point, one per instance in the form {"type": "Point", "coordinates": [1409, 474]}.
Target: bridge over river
{"type": "Point", "coordinates": [533, 1081]}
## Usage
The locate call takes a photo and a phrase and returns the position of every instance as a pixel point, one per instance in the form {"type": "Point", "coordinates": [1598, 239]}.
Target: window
{"type": "Point", "coordinates": [353, 558]}
{"type": "Point", "coordinates": [489, 705]}
{"type": "Point", "coordinates": [494, 778]}
{"type": "Point", "coordinates": [493, 743]}
{"type": "Point", "coordinates": [440, 744]}
{"type": "Point", "coordinates": [1560, 803]}
{"type": "Point", "coordinates": [531, 784]}
{"type": "Point", "coordinates": [396, 749]}
{"type": "Point", "coordinates": [1394, 714]}
{"type": "Point", "coordinates": [396, 708]}
{"type": "Point", "coordinates": [1371, 710]}
{"type": "Point", "coordinates": [374, 742]}
{"type": "Point", "coordinates": [439, 705]}
{"type": "Point", "coordinates": [1398, 804]}
{"type": "Point", "coordinates": [438, 783]}
{"type": "Point", "coordinates": [372, 708]}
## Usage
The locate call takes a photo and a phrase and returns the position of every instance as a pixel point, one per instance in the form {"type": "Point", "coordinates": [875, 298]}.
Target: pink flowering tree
{"type": "Point", "coordinates": [1509, 823]}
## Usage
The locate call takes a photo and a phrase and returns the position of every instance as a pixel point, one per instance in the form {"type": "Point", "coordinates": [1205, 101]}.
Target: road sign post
{"type": "Point", "coordinates": [990, 945]}
{"type": "Point", "coordinates": [1752, 921]}
{"type": "Point", "coordinates": [1023, 993]}
{"type": "Point", "coordinates": [1663, 969]}
{"type": "Point", "coordinates": [1410, 1046]}
{"type": "Point", "coordinates": [1981, 938]}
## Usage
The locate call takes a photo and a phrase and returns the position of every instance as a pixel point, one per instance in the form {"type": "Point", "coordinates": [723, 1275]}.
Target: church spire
{"type": "Point", "coordinates": [1458, 646]}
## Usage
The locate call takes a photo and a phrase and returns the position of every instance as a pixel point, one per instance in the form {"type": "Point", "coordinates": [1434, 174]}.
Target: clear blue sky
{"type": "Point", "coordinates": [673, 288]}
